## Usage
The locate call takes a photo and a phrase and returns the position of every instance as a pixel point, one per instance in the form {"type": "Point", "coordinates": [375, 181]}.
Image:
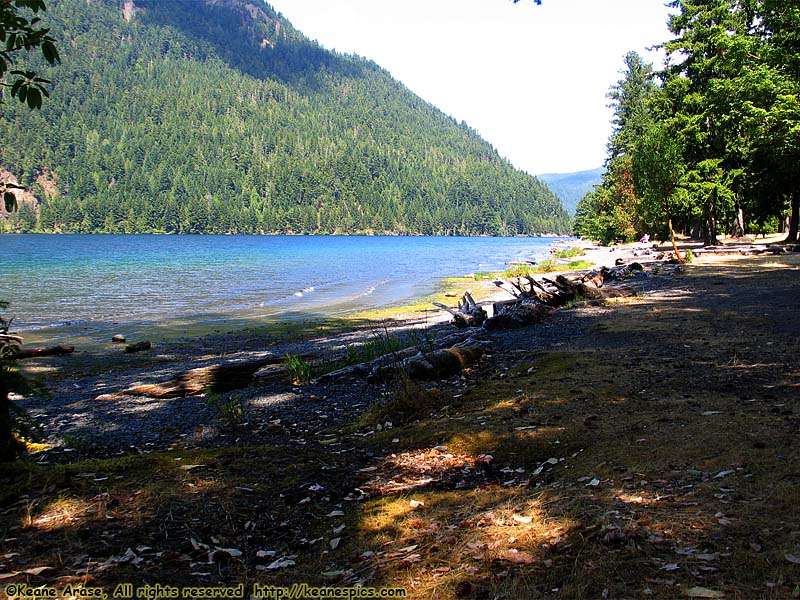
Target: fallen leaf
{"type": "Point", "coordinates": [701, 592]}
{"type": "Point", "coordinates": [793, 559]}
{"type": "Point", "coordinates": [281, 563]}
{"type": "Point", "coordinates": [190, 467]}
{"type": "Point", "coordinates": [521, 519]}
{"type": "Point", "coordinates": [337, 573]}
{"type": "Point", "coordinates": [725, 473]}
{"type": "Point", "coordinates": [714, 556]}
{"type": "Point", "coordinates": [38, 570]}
{"type": "Point", "coordinates": [335, 543]}
{"type": "Point", "coordinates": [335, 513]}
{"type": "Point", "coordinates": [416, 503]}
{"type": "Point", "coordinates": [516, 557]}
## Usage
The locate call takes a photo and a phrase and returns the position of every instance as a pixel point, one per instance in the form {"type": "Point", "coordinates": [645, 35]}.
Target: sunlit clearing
{"type": "Point", "coordinates": [409, 470]}
{"type": "Point", "coordinates": [65, 512]}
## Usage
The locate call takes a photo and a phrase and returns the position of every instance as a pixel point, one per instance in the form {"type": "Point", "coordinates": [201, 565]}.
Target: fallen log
{"type": "Point", "coordinates": [223, 377]}
{"type": "Point", "coordinates": [468, 314]}
{"type": "Point", "coordinates": [438, 364]}
{"type": "Point", "coordinates": [516, 315]}
{"type": "Point", "coordinates": [138, 346]}
{"type": "Point", "coordinates": [363, 370]}
{"type": "Point", "coordinates": [35, 352]}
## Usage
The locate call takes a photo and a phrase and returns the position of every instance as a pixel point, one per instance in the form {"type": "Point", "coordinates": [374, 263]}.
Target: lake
{"type": "Point", "coordinates": [93, 282]}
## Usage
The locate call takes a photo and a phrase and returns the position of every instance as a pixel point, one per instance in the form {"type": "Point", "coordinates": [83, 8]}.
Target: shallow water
{"type": "Point", "coordinates": [90, 283]}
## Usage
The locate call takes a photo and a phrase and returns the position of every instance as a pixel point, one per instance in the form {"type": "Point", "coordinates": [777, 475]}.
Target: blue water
{"type": "Point", "coordinates": [92, 279]}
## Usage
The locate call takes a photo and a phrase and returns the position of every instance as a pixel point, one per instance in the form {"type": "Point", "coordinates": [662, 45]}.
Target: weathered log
{"type": "Point", "coordinates": [519, 314]}
{"type": "Point", "coordinates": [223, 377]}
{"type": "Point", "coordinates": [8, 338]}
{"type": "Point", "coordinates": [362, 370]}
{"type": "Point", "coordinates": [438, 364]}
{"type": "Point", "coordinates": [35, 352]}
{"type": "Point", "coordinates": [468, 314]}
{"type": "Point", "coordinates": [138, 346]}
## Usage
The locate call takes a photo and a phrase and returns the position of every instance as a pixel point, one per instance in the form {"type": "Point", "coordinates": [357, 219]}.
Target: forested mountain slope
{"type": "Point", "coordinates": [571, 187]}
{"type": "Point", "coordinates": [217, 116]}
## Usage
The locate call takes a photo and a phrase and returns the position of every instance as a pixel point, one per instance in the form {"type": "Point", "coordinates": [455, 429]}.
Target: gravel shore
{"type": "Point", "coordinates": [77, 424]}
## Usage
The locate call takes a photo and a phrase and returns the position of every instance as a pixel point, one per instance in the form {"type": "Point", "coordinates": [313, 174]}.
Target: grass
{"type": "Point", "coordinates": [569, 253]}
{"type": "Point", "coordinates": [300, 371]}
{"type": "Point", "coordinates": [546, 266]}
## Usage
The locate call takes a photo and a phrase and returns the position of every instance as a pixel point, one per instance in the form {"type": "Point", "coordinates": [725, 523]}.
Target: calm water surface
{"type": "Point", "coordinates": [94, 281]}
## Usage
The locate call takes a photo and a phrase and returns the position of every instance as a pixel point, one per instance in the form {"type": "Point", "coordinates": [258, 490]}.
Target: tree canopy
{"type": "Point", "coordinates": [715, 145]}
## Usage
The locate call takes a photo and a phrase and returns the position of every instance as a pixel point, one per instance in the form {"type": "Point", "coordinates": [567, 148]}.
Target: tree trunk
{"type": "Point", "coordinates": [794, 216]}
{"type": "Point", "coordinates": [674, 243]}
{"type": "Point", "coordinates": [737, 229]}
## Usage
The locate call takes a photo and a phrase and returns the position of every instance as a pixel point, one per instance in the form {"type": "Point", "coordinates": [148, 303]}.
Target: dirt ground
{"type": "Point", "coordinates": [642, 449]}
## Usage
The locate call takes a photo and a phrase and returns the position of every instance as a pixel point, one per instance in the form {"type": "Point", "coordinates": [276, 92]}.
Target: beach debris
{"type": "Point", "coordinates": [437, 364]}
{"type": "Point", "coordinates": [469, 312]}
{"type": "Point", "coordinates": [534, 299]}
{"type": "Point", "coordinates": [139, 346]}
{"type": "Point", "coordinates": [456, 353]}
{"type": "Point", "coordinates": [35, 352]}
{"type": "Point", "coordinates": [223, 377]}
{"type": "Point", "coordinates": [118, 339]}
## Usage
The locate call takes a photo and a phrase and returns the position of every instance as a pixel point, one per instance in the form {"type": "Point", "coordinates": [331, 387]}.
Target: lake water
{"type": "Point", "coordinates": [96, 281]}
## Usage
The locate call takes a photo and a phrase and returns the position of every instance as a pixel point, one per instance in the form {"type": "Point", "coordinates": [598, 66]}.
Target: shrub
{"type": "Point", "coordinates": [15, 424]}
{"type": "Point", "coordinates": [299, 370]}
{"type": "Point", "coordinates": [230, 410]}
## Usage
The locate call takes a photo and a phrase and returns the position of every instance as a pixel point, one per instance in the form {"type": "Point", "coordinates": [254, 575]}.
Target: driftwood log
{"type": "Point", "coordinates": [469, 312]}
{"type": "Point", "coordinates": [138, 346]}
{"type": "Point", "coordinates": [223, 377]}
{"type": "Point", "coordinates": [534, 299]}
{"type": "Point", "coordinates": [34, 352]}
{"type": "Point", "coordinates": [517, 314]}
{"type": "Point", "coordinates": [437, 364]}
{"type": "Point", "coordinates": [456, 352]}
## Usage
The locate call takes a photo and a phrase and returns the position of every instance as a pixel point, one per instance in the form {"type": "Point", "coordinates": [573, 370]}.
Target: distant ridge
{"type": "Point", "coordinates": [571, 187]}
{"type": "Point", "coordinates": [218, 116]}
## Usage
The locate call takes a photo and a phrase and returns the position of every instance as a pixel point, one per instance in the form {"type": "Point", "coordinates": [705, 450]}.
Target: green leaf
{"type": "Point", "coordinates": [50, 52]}
{"type": "Point", "coordinates": [34, 98]}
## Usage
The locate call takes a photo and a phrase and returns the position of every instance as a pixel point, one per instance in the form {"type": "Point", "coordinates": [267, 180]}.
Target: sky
{"type": "Point", "coordinates": [532, 80]}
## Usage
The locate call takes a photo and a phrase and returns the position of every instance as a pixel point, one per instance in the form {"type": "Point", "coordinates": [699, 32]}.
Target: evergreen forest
{"type": "Point", "coordinates": [709, 145]}
{"type": "Point", "coordinates": [193, 116]}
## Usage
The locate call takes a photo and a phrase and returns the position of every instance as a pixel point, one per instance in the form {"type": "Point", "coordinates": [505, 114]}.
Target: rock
{"type": "Point", "coordinates": [118, 339]}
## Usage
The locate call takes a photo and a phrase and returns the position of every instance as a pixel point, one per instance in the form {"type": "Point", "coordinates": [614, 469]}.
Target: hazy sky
{"type": "Point", "coordinates": [531, 79]}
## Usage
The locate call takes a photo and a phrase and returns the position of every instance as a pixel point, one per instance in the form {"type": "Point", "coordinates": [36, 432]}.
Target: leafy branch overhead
{"type": "Point", "coordinates": [20, 34]}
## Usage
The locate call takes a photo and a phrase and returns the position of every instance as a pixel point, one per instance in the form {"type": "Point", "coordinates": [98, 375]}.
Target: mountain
{"type": "Point", "coordinates": [218, 116]}
{"type": "Point", "coordinates": [571, 187]}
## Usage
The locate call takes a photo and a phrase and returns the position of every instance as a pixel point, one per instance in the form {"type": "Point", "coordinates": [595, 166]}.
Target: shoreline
{"type": "Point", "coordinates": [238, 285]}
{"type": "Point", "coordinates": [650, 432]}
